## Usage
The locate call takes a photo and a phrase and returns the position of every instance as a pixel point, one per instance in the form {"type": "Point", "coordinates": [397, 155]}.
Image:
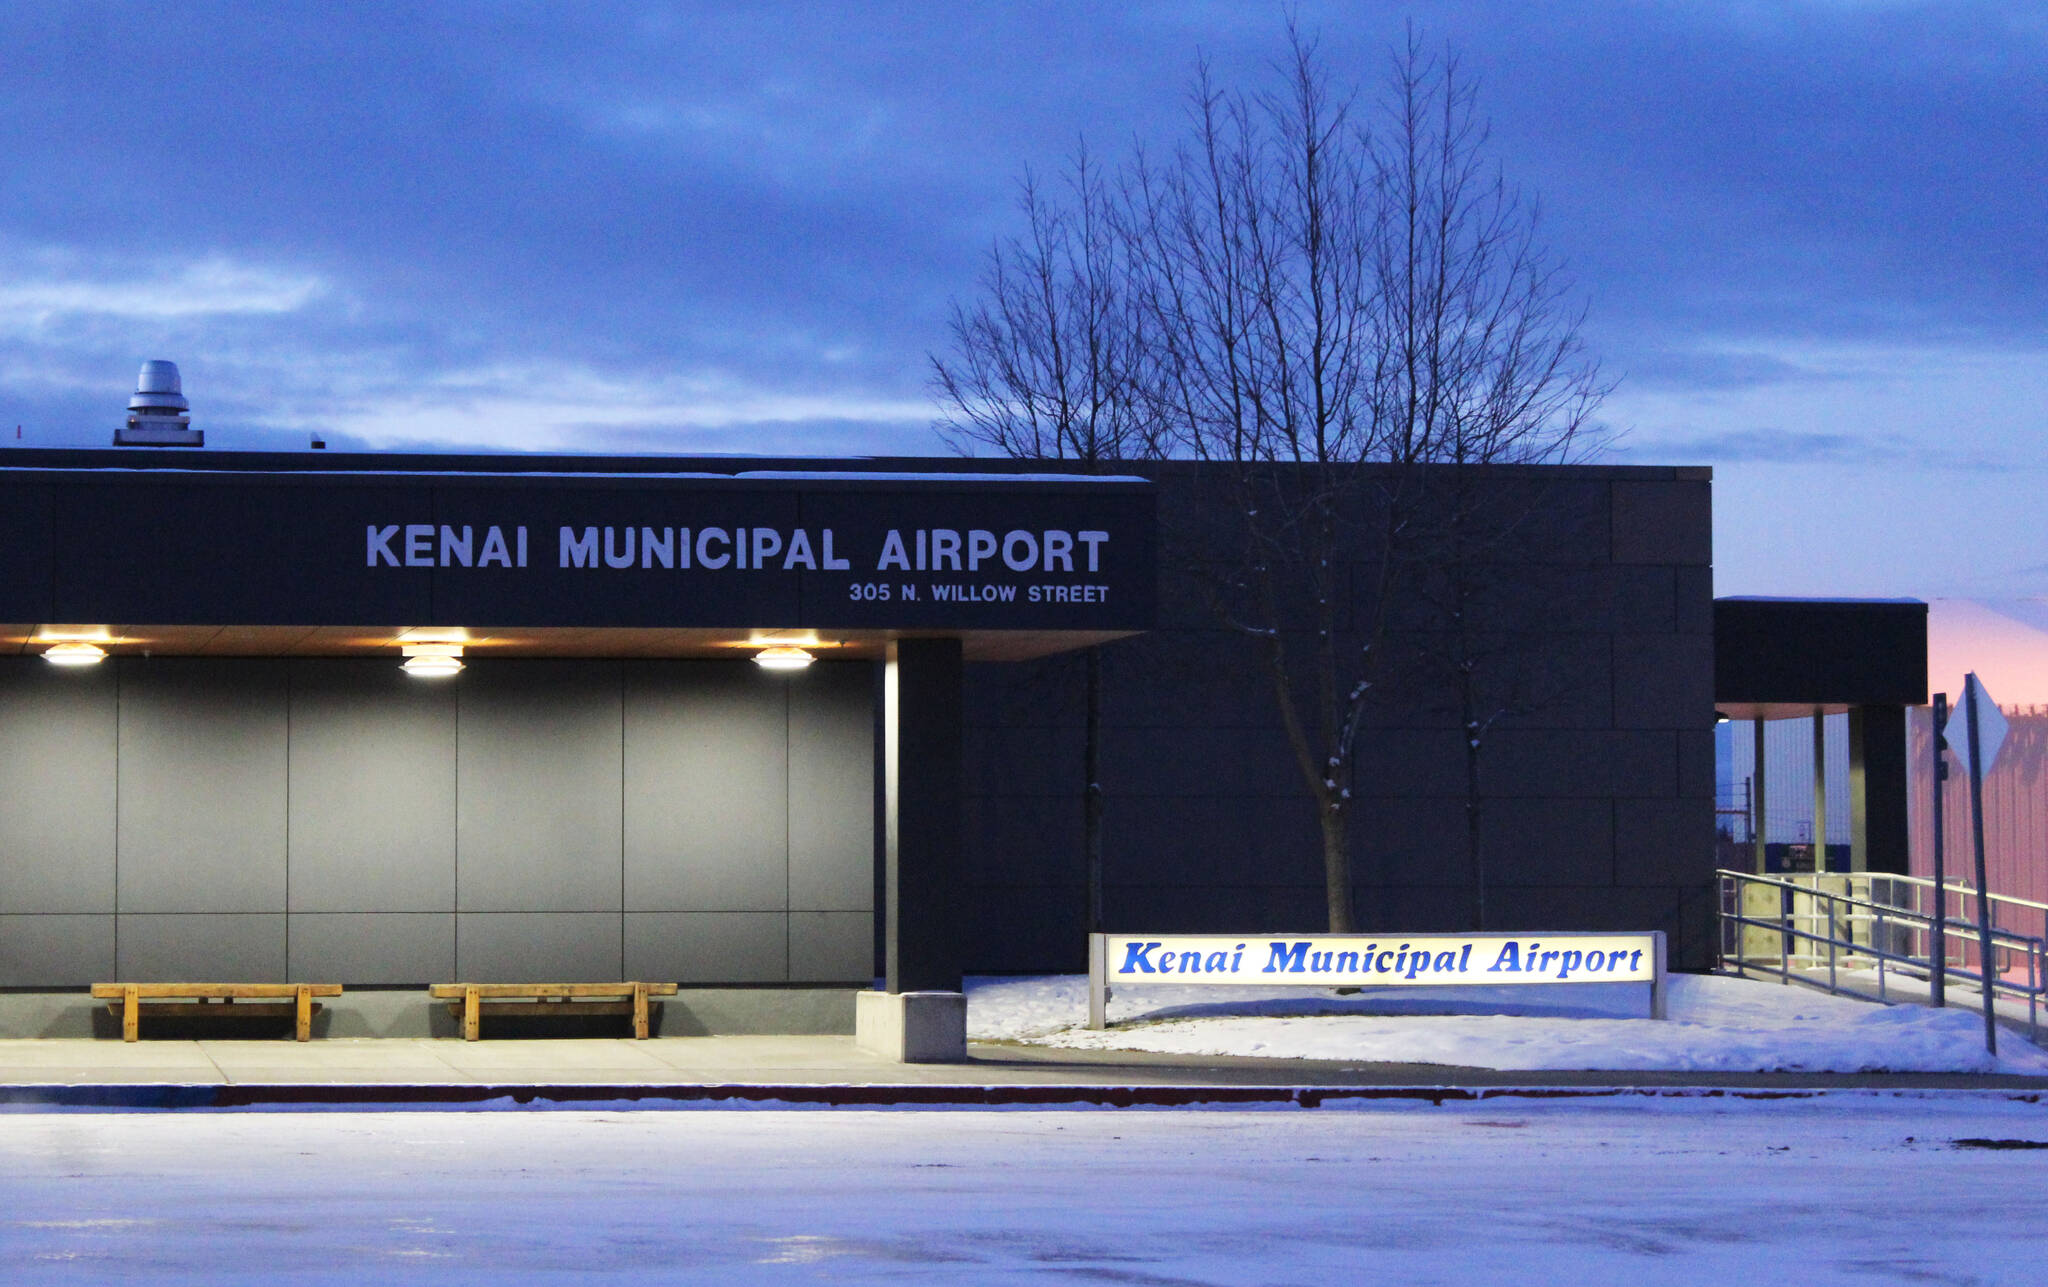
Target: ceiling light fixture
{"type": "Point", "coordinates": [432, 660]}
{"type": "Point", "coordinates": [74, 653]}
{"type": "Point", "coordinates": [783, 657]}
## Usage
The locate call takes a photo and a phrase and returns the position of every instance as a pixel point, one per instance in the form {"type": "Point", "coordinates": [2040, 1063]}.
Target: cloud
{"type": "Point", "coordinates": [557, 407]}
{"type": "Point", "coordinates": [1715, 367]}
{"type": "Point", "coordinates": [1779, 445]}
{"type": "Point", "coordinates": [1795, 447]}
{"type": "Point", "coordinates": [59, 285]}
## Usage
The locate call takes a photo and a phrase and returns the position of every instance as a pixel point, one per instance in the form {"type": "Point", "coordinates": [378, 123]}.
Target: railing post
{"type": "Point", "coordinates": [2034, 993]}
{"type": "Point", "coordinates": [1883, 945]}
{"type": "Point", "coordinates": [1788, 916]}
{"type": "Point", "coordinates": [1831, 943]}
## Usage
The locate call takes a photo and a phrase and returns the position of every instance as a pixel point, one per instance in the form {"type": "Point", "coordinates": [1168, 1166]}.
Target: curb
{"type": "Point", "coordinates": [316, 1097]}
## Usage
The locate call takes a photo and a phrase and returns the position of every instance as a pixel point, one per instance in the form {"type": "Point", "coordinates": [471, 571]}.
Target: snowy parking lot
{"type": "Point", "coordinates": [1845, 1188]}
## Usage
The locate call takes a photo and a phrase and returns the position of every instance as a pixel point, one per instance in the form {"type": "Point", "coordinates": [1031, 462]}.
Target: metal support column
{"type": "Point", "coordinates": [1820, 791]}
{"type": "Point", "coordinates": [1757, 799]}
{"type": "Point", "coordinates": [1879, 830]}
{"type": "Point", "coordinates": [1859, 813]}
{"type": "Point", "coordinates": [923, 735]}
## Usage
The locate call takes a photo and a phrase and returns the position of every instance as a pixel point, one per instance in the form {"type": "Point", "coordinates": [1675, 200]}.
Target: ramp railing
{"type": "Point", "coordinates": [1865, 934]}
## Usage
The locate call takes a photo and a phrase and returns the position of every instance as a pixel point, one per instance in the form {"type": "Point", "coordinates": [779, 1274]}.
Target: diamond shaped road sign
{"type": "Point", "coordinates": [1991, 725]}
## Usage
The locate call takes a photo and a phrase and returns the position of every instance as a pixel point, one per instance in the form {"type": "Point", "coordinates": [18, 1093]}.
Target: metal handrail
{"type": "Point", "coordinates": [1831, 921]}
{"type": "Point", "coordinates": [1953, 887]}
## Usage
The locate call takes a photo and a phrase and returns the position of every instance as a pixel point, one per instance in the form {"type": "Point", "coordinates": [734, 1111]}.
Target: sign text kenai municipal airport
{"type": "Point", "coordinates": [717, 548]}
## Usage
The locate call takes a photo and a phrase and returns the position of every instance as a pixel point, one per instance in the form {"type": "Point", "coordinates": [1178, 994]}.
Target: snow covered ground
{"type": "Point", "coordinates": [1851, 1188]}
{"type": "Point", "coordinates": [1717, 1023]}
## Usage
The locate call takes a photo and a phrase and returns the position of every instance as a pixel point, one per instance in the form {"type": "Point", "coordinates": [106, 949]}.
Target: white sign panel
{"type": "Point", "coordinates": [1991, 725]}
{"type": "Point", "coordinates": [1137, 961]}
{"type": "Point", "coordinates": [1365, 960]}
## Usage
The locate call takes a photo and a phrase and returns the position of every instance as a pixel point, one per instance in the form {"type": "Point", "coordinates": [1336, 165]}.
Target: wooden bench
{"type": "Point", "coordinates": [469, 1002]}
{"type": "Point", "coordinates": [215, 1001]}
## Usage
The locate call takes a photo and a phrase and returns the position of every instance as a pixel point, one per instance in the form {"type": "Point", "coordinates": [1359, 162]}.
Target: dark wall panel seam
{"type": "Point", "coordinates": [120, 671]}
{"type": "Point", "coordinates": [788, 856]}
{"type": "Point", "coordinates": [286, 827]}
{"type": "Point", "coordinates": [622, 818]}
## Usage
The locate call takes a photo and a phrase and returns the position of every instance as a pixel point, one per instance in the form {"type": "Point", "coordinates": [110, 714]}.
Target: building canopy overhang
{"type": "Point", "coordinates": [564, 557]}
{"type": "Point", "coordinates": [1788, 658]}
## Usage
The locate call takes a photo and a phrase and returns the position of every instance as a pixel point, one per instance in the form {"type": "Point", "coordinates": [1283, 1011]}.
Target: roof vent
{"type": "Point", "coordinates": [158, 413]}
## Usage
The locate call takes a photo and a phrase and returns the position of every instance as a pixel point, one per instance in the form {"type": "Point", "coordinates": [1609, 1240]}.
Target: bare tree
{"type": "Point", "coordinates": [1349, 306]}
{"type": "Point", "coordinates": [1041, 368]}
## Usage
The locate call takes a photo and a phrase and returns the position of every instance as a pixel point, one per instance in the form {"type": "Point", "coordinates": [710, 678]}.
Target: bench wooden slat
{"type": "Point", "coordinates": [222, 1009]}
{"type": "Point", "coordinates": [450, 991]}
{"type": "Point", "coordinates": [115, 991]}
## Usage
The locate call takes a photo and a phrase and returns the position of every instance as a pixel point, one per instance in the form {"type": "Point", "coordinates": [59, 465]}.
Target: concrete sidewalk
{"type": "Point", "coordinates": [819, 1070]}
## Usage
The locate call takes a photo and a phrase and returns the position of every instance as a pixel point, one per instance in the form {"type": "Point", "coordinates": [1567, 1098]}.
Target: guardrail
{"type": "Point", "coordinates": [1797, 926]}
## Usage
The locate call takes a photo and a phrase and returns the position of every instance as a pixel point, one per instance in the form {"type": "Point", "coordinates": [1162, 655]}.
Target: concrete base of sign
{"type": "Point", "coordinates": [912, 1027]}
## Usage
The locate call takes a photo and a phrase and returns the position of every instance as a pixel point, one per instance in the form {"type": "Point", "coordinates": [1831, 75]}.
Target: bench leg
{"type": "Point", "coordinates": [640, 1012]}
{"type": "Point", "coordinates": [304, 1031]}
{"type": "Point", "coordinates": [131, 1013]}
{"type": "Point", "coordinates": [470, 1014]}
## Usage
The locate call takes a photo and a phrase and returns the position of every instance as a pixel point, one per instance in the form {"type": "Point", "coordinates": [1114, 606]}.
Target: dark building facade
{"type": "Point", "coordinates": [1596, 783]}
{"type": "Point", "coordinates": [249, 787]}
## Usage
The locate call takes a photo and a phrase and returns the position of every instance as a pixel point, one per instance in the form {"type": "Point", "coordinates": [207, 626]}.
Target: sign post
{"type": "Point", "coordinates": [1937, 955]}
{"type": "Point", "coordinates": [1987, 728]}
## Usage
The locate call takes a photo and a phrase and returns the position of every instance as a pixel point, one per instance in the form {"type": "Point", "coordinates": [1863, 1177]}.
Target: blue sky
{"type": "Point", "coordinates": [1812, 237]}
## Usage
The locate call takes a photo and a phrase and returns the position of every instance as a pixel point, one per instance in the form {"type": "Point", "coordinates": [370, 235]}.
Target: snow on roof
{"type": "Point", "coordinates": [751, 475]}
{"type": "Point", "coordinates": [1804, 598]}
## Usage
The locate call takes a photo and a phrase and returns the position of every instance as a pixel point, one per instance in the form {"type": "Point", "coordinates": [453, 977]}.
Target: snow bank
{"type": "Point", "coordinates": [1717, 1024]}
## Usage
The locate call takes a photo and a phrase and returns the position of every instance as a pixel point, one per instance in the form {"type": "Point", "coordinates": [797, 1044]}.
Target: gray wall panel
{"type": "Point", "coordinates": [708, 947]}
{"type": "Point", "coordinates": [537, 947]}
{"type": "Point", "coordinates": [832, 947]}
{"type": "Point", "coordinates": [56, 951]}
{"type": "Point", "coordinates": [538, 812]}
{"type": "Point", "coordinates": [1663, 521]}
{"type": "Point", "coordinates": [1664, 681]}
{"type": "Point", "coordinates": [706, 787]}
{"type": "Point", "coordinates": [1543, 841]}
{"type": "Point", "coordinates": [372, 791]}
{"type": "Point", "coordinates": [201, 948]}
{"type": "Point", "coordinates": [832, 788]}
{"type": "Point", "coordinates": [370, 947]}
{"type": "Point", "coordinates": [202, 785]}
{"type": "Point", "coordinates": [57, 755]}
{"type": "Point", "coordinates": [1661, 842]}
{"type": "Point", "coordinates": [1022, 840]}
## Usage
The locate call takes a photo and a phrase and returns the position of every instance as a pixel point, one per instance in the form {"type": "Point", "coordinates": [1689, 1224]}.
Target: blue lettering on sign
{"type": "Point", "coordinates": [1287, 958]}
{"type": "Point", "coordinates": [1510, 959]}
{"type": "Point", "coordinates": [1134, 959]}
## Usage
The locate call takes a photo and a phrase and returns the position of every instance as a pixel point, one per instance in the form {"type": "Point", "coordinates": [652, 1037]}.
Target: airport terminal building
{"type": "Point", "coordinates": [600, 776]}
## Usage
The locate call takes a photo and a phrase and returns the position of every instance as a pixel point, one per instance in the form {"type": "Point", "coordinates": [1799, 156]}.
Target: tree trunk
{"type": "Point", "coordinates": [1336, 867]}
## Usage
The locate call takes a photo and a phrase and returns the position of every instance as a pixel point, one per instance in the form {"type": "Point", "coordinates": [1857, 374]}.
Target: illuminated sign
{"type": "Point", "coordinates": [1371, 960]}
{"type": "Point", "coordinates": [814, 550]}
